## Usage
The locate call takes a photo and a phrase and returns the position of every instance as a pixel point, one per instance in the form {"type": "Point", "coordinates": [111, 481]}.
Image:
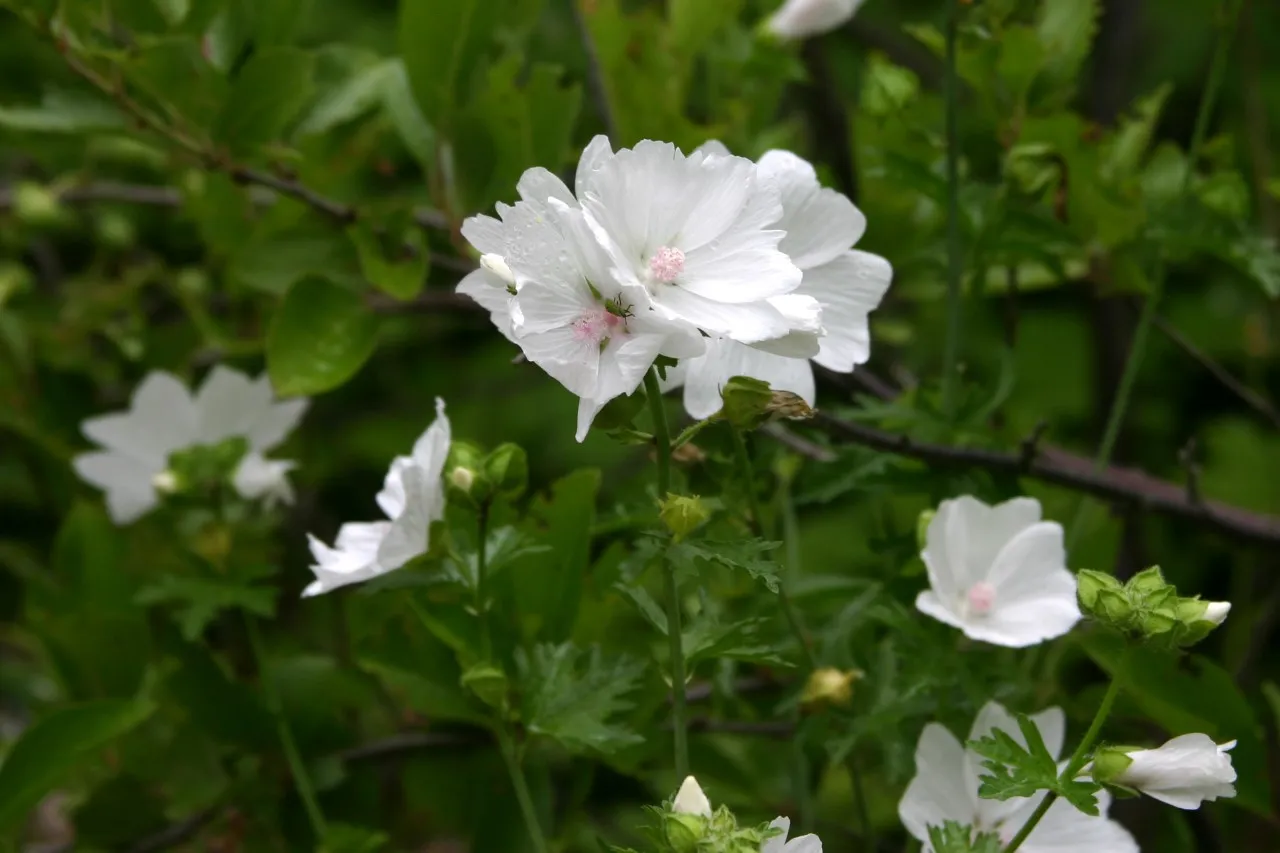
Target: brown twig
{"type": "Point", "coordinates": [1059, 467]}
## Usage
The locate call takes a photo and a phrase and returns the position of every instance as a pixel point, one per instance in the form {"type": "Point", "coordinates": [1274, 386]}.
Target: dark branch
{"type": "Point", "coordinates": [1059, 467]}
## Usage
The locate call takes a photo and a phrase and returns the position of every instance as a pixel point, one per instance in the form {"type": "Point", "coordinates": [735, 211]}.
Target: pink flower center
{"type": "Point", "coordinates": [981, 597]}
{"type": "Point", "coordinates": [595, 325]}
{"type": "Point", "coordinates": [666, 264]}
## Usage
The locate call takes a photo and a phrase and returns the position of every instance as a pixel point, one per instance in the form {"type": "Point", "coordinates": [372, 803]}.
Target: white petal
{"type": "Point", "coordinates": [408, 536]}
{"type": "Point", "coordinates": [798, 19]}
{"type": "Point", "coordinates": [749, 323]}
{"type": "Point", "coordinates": [257, 477]}
{"type": "Point", "coordinates": [572, 362]}
{"type": "Point", "coordinates": [804, 844]}
{"type": "Point", "coordinates": [1217, 611]}
{"type": "Point", "coordinates": [125, 480]}
{"type": "Point", "coordinates": [1183, 772]}
{"type": "Point", "coordinates": [352, 560]}
{"type": "Point", "coordinates": [1035, 592]}
{"type": "Point", "coordinates": [849, 289]}
{"type": "Point", "coordinates": [707, 376]}
{"type": "Point", "coordinates": [544, 307]}
{"type": "Point", "coordinates": [713, 148]}
{"type": "Point", "coordinates": [161, 419]}
{"type": "Point", "coordinates": [537, 185]}
{"type": "Point", "coordinates": [487, 234]}
{"type": "Point", "coordinates": [431, 449]}
{"type": "Point", "coordinates": [778, 843]}
{"type": "Point", "coordinates": [228, 404]}
{"type": "Point", "coordinates": [623, 364]}
{"type": "Point", "coordinates": [1066, 829]}
{"type": "Point", "coordinates": [940, 790]}
{"type": "Point", "coordinates": [690, 799]}
{"type": "Point", "coordinates": [744, 266]}
{"type": "Point", "coordinates": [594, 156]}
{"type": "Point", "coordinates": [490, 293]}
{"type": "Point", "coordinates": [965, 537]}
{"type": "Point", "coordinates": [821, 224]}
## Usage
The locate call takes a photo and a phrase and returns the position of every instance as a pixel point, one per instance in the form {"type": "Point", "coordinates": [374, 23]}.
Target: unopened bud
{"type": "Point", "coordinates": [1089, 584]}
{"type": "Point", "coordinates": [462, 479]}
{"type": "Point", "coordinates": [683, 514]}
{"type": "Point", "coordinates": [496, 265]}
{"type": "Point", "coordinates": [690, 799]}
{"type": "Point", "coordinates": [1109, 762]}
{"type": "Point", "coordinates": [166, 482]}
{"type": "Point", "coordinates": [829, 686]}
{"type": "Point", "coordinates": [506, 470]}
{"type": "Point", "coordinates": [745, 402]}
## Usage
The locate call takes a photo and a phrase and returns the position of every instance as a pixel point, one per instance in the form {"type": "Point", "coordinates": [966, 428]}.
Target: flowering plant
{"type": "Point", "coordinates": [819, 380]}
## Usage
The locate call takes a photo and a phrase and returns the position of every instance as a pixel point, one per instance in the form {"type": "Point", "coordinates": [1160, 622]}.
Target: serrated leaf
{"type": "Point", "coordinates": [955, 837]}
{"type": "Point", "coordinates": [572, 696]}
{"type": "Point", "coordinates": [268, 93]}
{"type": "Point", "coordinates": [1017, 771]}
{"type": "Point", "coordinates": [198, 601]}
{"type": "Point", "coordinates": [50, 748]}
{"type": "Point", "coordinates": [743, 555]}
{"type": "Point", "coordinates": [318, 338]}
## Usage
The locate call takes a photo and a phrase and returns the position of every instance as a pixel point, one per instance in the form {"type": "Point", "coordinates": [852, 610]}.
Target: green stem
{"type": "Point", "coordinates": [1228, 12]}
{"type": "Point", "coordinates": [1078, 758]}
{"type": "Point", "coordinates": [675, 630]}
{"type": "Point", "coordinates": [482, 573]}
{"type": "Point", "coordinates": [511, 757]}
{"type": "Point", "coordinates": [955, 259]}
{"type": "Point", "coordinates": [860, 795]}
{"type": "Point", "coordinates": [301, 780]}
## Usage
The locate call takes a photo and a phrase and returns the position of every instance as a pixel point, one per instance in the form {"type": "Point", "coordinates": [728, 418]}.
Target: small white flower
{"type": "Point", "coordinates": [412, 497]}
{"type": "Point", "coordinates": [1183, 773]}
{"type": "Point", "coordinates": [697, 233]}
{"type": "Point", "coordinates": [690, 799]}
{"type": "Point", "coordinates": [780, 844]}
{"type": "Point", "coordinates": [798, 19]}
{"type": "Point", "coordinates": [821, 225]}
{"type": "Point", "coordinates": [946, 783]}
{"type": "Point", "coordinates": [998, 573]}
{"type": "Point", "coordinates": [163, 418]}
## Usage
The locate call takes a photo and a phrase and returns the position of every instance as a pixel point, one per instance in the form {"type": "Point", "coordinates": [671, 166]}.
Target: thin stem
{"type": "Point", "coordinates": [301, 780]}
{"type": "Point", "coordinates": [955, 259]}
{"type": "Point", "coordinates": [511, 757]}
{"type": "Point", "coordinates": [675, 631]}
{"type": "Point", "coordinates": [1228, 11]}
{"type": "Point", "coordinates": [482, 576]}
{"type": "Point", "coordinates": [860, 796]}
{"type": "Point", "coordinates": [1078, 758]}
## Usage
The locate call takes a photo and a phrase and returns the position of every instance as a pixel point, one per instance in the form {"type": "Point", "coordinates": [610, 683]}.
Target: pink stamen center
{"type": "Point", "coordinates": [982, 596]}
{"type": "Point", "coordinates": [666, 264]}
{"type": "Point", "coordinates": [596, 325]}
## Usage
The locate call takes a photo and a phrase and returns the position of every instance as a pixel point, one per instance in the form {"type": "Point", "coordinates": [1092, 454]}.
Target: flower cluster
{"type": "Point", "coordinates": [692, 825]}
{"type": "Point", "coordinates": [734, 267]}
{"type": "Point", "coordinates": [169, 438]}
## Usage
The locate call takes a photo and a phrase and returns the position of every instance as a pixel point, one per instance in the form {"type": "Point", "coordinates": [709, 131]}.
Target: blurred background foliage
{"type": "Point", "coordinates": [279, 184]}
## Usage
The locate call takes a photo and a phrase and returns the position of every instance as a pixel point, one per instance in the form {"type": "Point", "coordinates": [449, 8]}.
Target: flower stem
{"type": "Point", "coordinates": [301, 780]}
{"type": "Point", "coordinates": [482, 577]}
{"type": "Point", "coordinates": [1078, 758]}
{"type": "Point", "coordinates": [511, 758]}
{"type": "Point", "coordinates": [1228, 11]}
{"type": "Point", "coordinates": [675, 631]}
{"type": "Point", "coordinates": [955, 258]}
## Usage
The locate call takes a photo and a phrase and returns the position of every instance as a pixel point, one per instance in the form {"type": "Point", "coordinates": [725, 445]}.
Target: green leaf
{"type": "Point", "coordinates": [740, 555]}
{"type": "Point", "coordinates": [345, 838]}
{"type": "Point", "coordinates": [707, 638]}
{"type": "Point", "coordinates": [359, 94]}
{"type": "Point", "coordinates": [1018, 771]}
{"type": "Point", "coordinates": [442, 44]}
{"type": "Point", "coordinates": [572, 695]}
{"type": "Point", "coordinates": [954, 837]}
{"type": "Point", "coordinates": [406, 117]}
{"type": "Point", "coordinates": [696, 23]}
{"type": "Point", "coordinates": [319, 337]}
{"type": "Point", "coordinates": [56, 744]}
{"type": "Point", "coordinates": [63, 112]}
{"type": "Point", "coordinates": [274, 262]}
{"type": "Point", "coordinates": [1066, 29]}
{"type": "Point", "coordinates": [174, 11]}
{"type": "Point", "coordinates": [200, 600]}
{"type": "Point", "coordinates": [268, 93]}
{"type": "Point", "coordinates": [396, 266]}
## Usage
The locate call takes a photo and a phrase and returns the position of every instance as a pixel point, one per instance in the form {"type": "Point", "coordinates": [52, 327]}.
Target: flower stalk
{"type": "Point", "coordinates": [675, 631]}
{"type": "Point", "coordinates": [955, 259]}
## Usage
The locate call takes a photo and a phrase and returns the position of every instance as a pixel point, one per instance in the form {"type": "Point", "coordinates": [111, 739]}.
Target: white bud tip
{"type": "Point", "coordinates": [691, 800]}
{"type": "Point", "coordinates": [496, 265]}
{"type": "Point", "coordinates": [1217, 611]}
{"type": "Point", "coordinates": [166, 481]}
{"type": "Point", "coordinates": [462, 478]}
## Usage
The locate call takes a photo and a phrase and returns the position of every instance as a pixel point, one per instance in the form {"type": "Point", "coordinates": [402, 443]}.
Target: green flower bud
{"type": "Point", "coordinates": [684, 832]}
{"type": "Point", "coordinates": [1157, 622]}
{"type": "Point", "coordinates": [1109, 762]}
{"type": "Point", "coordinates": [464, 474]}
{"type": "Point", "coordinates": [829, 686]}
{"type": "Point", "coordinates": [115, 230]}
{"type": "Point", "coordinates": [507, 471]}
{"type": "Point", "coordinates": [462, 479]}
{"type": "Point", "coordinates": [37, 206]}
{"type": "Point", "coordinates": [745, 402]}
{"type": "Point", "coordinates": [488, 683]}
{"type": "Point", "coordinates": [683, 514]}
{"type": "Point", "coordinates": [1113, 607]}
{"type": "Point", "coordinates": [1148, 582]}
{"type": "Point", "coordinates": [1088, 584]}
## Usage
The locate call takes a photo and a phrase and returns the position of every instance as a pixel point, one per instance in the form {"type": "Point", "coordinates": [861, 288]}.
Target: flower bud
{"type": "Point", "coordinates": [683, 514]}
{"type": "Point", "coordinates": [829, 686]}
{"type": "Point", "coordinates": [685, 832]}
{"type": "Point", "coordinates": [1109, 762]}
{"type": "Point", "coordinates": [690, 799]}
{"type": "Point", "coordinates": [166, 482]}
{"type": "Point", "coordinates": [36, 205]}
{"type": "Point", "coordinates": [462, 479]}
{"type": "Point", "coordinates": [745, 402]}
{"type": "Point", "coordinates": [1089, 584]}
{"type": "Point", "coordinates": [465, 478]}
{"type": "Point", "coordinates": [506, 470]}
{"type": "Point", "coordinates": [498, 266]}
{"type": "Point", "coordinates": [1148, 582]}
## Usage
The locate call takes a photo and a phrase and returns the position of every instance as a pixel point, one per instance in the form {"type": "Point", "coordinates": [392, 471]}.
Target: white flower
{"type": "Point", "coordinates": [946, 784]}
{"type": "Point", "coordinates": [821, 225]}
{"type": "Point", "coordinates": [412, 497]}
{"type": "Point", "coordinates": [696, 232]}
{"type": "Point", "coordinates": [690, 799]}
{"type": "Point", "coordinates": [780, 844]}
{"type": "Point", "coordinates": [570, 315]}
{"type": "Point", "coordinates": [1183, 773]}
{"type": "Point", "coordinates": [798, 19]}
{"type": "Point", "coordinates": [998, 573]}
{"type": "Point", "coordinates": [163, 418]}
